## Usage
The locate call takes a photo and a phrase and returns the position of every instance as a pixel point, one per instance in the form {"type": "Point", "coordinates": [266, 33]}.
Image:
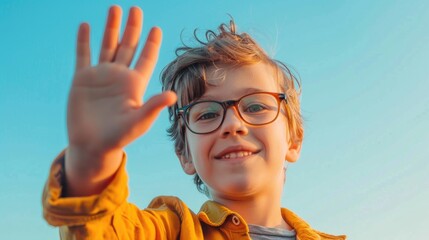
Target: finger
{"type": "Point", "coordinates": [151, 109]}
{"type": "Point", "coordinates": [83, 52]}
{"type": "Point", "coordinates": [149, 55]}
{"type": "Point", "coordinates": [111, 34]}
{"type": "Point", "coordinates": [131, 36]}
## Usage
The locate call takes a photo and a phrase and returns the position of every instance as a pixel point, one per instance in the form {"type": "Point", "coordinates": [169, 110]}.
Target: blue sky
{"type": "Point", "coordinates": [364, 166]}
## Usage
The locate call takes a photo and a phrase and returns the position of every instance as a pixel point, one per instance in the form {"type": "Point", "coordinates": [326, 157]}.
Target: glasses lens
{"type": "Point", "coordinates": [259, 108]}
{"type": "Point", "coordinates": [205, 117]}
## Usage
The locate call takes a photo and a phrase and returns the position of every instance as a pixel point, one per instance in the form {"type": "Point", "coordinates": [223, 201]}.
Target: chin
{"type": "Point", "coordinates": [241, 188]}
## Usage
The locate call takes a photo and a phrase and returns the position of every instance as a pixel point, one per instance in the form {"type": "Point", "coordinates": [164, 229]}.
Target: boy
{"type": "Point", "coordinates": [235, 123]}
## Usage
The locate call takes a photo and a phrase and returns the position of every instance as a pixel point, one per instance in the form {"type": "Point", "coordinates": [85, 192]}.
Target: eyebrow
{"type": "Point", "coordinates": [242, 93]}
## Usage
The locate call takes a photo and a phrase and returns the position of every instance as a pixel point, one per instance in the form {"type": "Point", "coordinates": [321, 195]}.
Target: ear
{"type": "Point", "coordinates": [294, 151]}
{"type": "Point", "coordinates": [187, 164]}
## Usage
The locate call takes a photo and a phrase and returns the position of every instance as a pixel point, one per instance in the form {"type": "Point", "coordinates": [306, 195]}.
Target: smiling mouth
{"type": "Point", "coordinates": [234, 155]}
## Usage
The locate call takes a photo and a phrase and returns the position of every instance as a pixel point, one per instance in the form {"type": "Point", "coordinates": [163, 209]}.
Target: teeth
{"type": "Point", "coordinates": [237, 155]}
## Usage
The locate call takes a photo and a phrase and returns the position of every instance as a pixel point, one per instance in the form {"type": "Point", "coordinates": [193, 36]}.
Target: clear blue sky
{"type": "Point", "coordinates": [364, 168]}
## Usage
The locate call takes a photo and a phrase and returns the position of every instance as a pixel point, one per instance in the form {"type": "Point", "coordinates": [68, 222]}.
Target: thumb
{"type": "Point", "coordinates": [151, 109]}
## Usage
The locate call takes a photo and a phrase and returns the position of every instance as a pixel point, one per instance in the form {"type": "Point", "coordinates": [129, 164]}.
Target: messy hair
{"type": "Point", "coordinates": [187, 77]}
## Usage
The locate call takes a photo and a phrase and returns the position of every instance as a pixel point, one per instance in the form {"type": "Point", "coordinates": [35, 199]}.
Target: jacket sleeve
{"type": "Point", "coordinates": [104, 216]}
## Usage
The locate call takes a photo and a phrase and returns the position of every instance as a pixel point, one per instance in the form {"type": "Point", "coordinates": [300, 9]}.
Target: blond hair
{"type": "Point", "coordinates": [186, 76]}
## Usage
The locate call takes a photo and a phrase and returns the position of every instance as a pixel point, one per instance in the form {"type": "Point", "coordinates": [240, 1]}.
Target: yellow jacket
{"type": "Point", "coordinates": [110, 216]}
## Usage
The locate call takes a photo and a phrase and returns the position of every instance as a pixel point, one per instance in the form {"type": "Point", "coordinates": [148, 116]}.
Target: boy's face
{"type": "Point", "coordinates": [238, 159]}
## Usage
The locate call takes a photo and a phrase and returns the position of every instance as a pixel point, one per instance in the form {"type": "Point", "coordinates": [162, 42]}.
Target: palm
{"type": "Point", "coordinates": [105, 108]}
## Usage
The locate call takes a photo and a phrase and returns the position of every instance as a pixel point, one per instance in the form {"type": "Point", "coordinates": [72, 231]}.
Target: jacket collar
{"type": "Point", "coordinates": [303, 230]}
{"type": "Point", "coordinates": [215, 214]}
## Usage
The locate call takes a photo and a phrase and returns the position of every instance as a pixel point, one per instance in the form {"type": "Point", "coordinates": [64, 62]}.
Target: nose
{"type": "Point", "coordinates": [233, 124]}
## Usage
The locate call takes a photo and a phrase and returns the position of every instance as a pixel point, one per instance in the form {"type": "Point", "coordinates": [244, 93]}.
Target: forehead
{"type": "Point", "coordinates": [233, 82]}
{"type": "Point", "coordinates": [226, 82]}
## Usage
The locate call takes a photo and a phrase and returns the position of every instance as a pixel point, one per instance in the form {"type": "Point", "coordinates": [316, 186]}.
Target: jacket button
{"type": "Point", "coordinates": [235, 220]}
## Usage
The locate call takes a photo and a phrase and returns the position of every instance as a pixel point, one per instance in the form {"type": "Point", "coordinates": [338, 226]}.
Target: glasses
{"type": "Point", "coordinates": [255, 109]}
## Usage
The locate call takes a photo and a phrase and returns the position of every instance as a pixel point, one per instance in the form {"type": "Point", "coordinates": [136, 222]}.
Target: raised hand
{"type": "Point", "coordinates": [105, 109]}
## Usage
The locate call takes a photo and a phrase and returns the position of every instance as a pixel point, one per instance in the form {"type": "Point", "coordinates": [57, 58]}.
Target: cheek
{"type": "Point", "coordinates": [277, 140]}
{"type": "Point", "coordinates": [283, 127]}
{"type": "Point", "coordinates": [199, 147]}
{"type": "Point", "coordinates": [199, 150]}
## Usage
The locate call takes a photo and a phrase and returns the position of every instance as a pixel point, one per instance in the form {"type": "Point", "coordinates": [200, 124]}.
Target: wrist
{"type": "Point", "coordinates": [89, 173]}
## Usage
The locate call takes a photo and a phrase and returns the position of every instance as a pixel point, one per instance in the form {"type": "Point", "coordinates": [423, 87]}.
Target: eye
{"type": "Point", "coordinates": [254, 108]}
{"type": "Point", "coordinates": [207, 116]}
{"type": "Point", "coordinates": [204, 112]}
